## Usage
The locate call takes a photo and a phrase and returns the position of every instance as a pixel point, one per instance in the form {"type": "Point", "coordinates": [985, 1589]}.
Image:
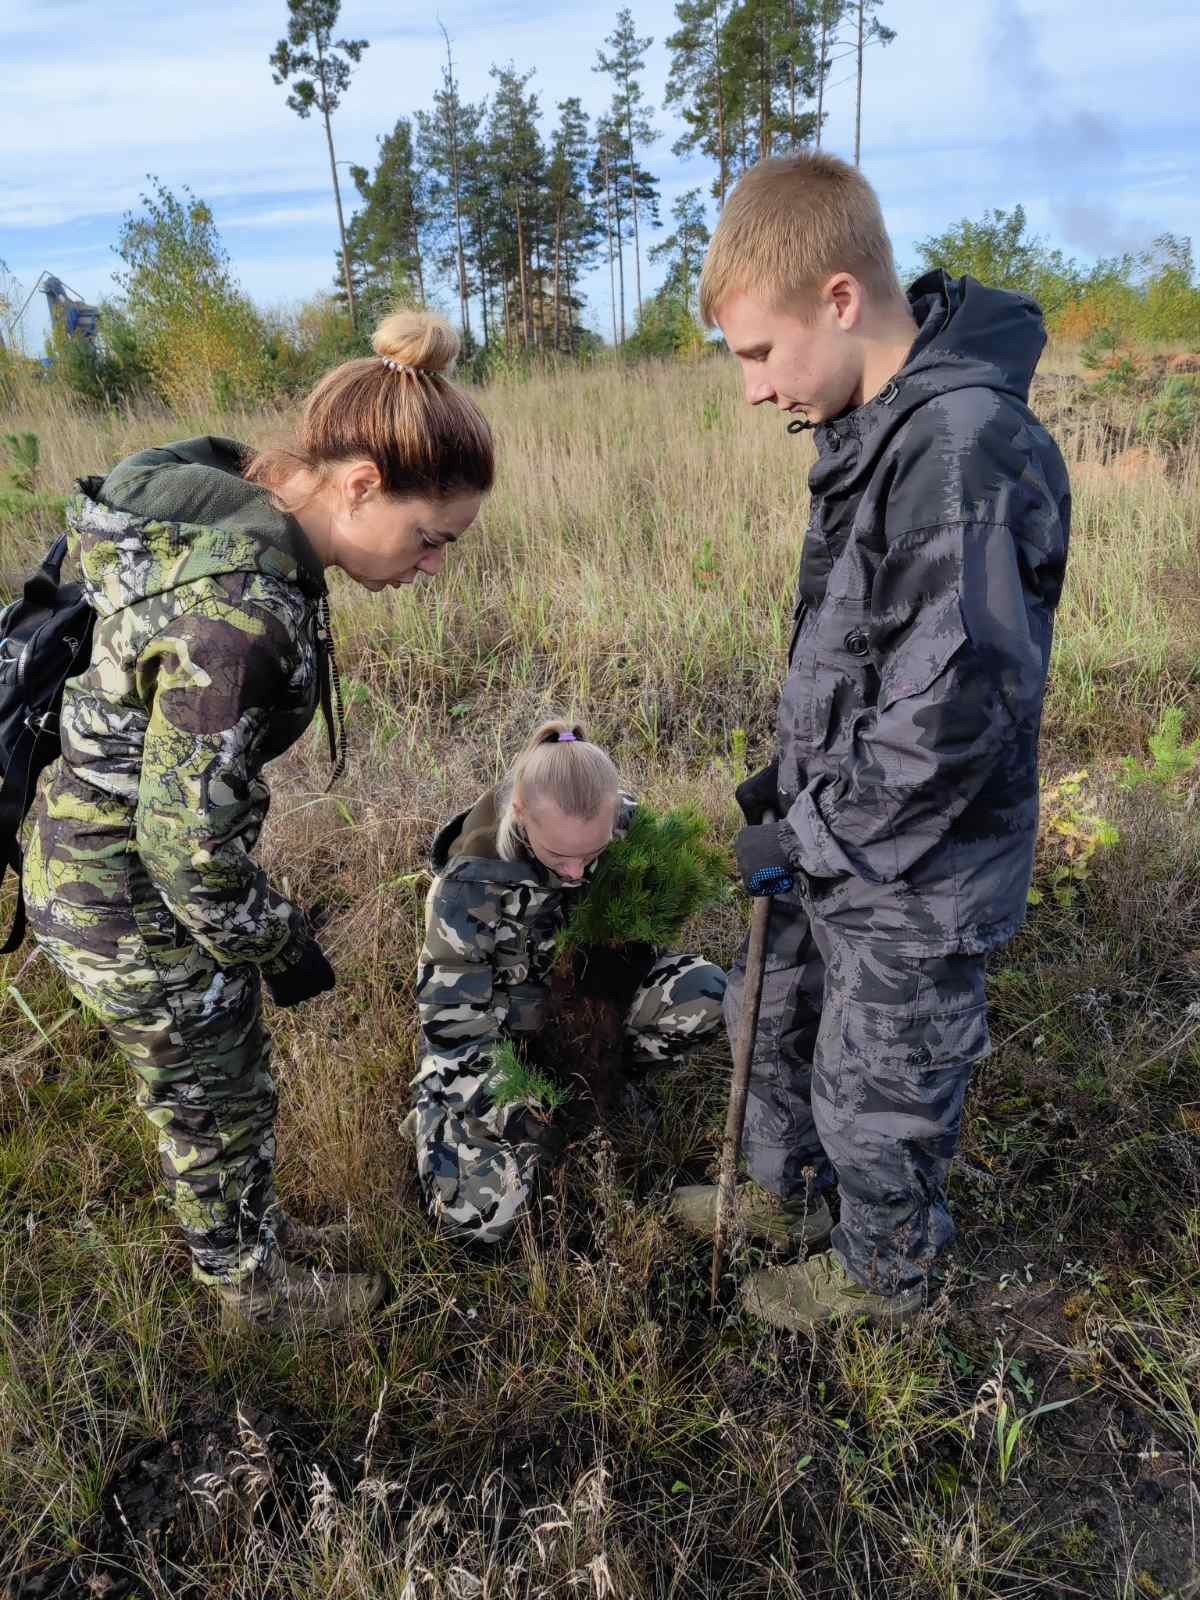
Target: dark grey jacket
{"type": "Point", "coordinates": [932, 567]}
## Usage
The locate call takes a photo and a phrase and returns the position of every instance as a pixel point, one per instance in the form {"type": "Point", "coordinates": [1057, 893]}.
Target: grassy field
{"type": "Point", "coordinates": [566, 1418]}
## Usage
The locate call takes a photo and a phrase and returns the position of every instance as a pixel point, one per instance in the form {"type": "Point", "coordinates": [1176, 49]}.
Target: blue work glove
{"type": "Point", "coordinates": [761, 861]}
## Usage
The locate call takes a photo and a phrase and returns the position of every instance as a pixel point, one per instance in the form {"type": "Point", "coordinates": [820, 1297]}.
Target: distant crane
{"type": "Point", "coordinates": [68, 310]}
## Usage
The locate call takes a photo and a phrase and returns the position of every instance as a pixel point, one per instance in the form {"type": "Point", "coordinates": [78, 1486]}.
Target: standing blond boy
{"type": "Point", "coordinates": [906, 777]}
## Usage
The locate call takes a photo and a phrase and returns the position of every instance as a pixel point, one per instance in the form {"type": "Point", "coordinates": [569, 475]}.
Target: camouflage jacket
{"type": "Point", "coordinates": [932, 566]}
{"type": "Point", "coordinates": [490, 931]}
{"type": "Point", "coordinates": [205, 666]}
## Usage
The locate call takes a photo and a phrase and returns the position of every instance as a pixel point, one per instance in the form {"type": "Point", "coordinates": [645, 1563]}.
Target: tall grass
{"type": "Point", "coordinates": [565, 1419]}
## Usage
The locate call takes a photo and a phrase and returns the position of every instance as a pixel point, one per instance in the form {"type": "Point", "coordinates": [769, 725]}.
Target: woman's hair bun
{"type": "Point", "coordinates": [420, 339]}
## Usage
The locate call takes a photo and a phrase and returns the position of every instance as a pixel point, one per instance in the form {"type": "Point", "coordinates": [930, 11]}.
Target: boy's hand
{"type": "Point", "coordinates": [759, 793]}
{"type": "Point", "coordinates": [761, 861]}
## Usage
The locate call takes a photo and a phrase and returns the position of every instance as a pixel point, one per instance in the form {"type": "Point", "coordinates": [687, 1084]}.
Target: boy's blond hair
{"type": "Point", "coordinates": [790, 223]}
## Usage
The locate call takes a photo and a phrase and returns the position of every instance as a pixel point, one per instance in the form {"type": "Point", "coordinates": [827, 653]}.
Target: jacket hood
{"type": "Point", "coordinates": [169, 516]}
{"type": "Point", "coordinates": [971, 337]}
{"type": "Point", "coordinates": [968, 337]}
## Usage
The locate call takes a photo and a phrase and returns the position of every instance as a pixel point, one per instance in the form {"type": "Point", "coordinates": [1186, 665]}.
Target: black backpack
{"type": "Point", "coordinates": [45, 638]}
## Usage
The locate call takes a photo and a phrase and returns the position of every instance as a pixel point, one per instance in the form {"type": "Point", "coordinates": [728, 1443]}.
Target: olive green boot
{"type": "Point", "coordinates": [282, 1296]}
{"type": "Point", "coordinates": [800, 1298]}
{"type": "Point", "coordinates": [306, 1241]}
{"type": "Point", "coordinates": [787, 1225]}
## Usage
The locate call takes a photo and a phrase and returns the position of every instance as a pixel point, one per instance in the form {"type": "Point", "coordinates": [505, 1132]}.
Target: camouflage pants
{"type": "Point", "coordinates": [193, 1034]}
{"type": "Point", "coordinates": [479, 1163]}
{"type": "Point", "coordinates": [861, 1064]}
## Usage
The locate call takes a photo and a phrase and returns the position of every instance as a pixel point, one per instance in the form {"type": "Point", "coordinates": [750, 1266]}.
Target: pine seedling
{"type": "Point", "coordinates": [515, 1082]}
{"type": "Point", "coordinates": [647, 885]}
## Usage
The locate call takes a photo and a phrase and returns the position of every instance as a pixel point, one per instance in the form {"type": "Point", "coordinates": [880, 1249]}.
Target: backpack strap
{"type": "Point", "coordinates": [42, 586]}
{"type": "Point", "coordinates": [15, 794]}
{"type": "Point", "coordinates": [10, 859]}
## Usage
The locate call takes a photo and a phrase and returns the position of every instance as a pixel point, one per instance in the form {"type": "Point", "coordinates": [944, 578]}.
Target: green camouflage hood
{"type": "Point", "coordinates": [169, 516]}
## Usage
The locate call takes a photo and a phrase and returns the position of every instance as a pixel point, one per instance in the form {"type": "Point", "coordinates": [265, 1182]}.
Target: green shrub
{"type": "Point", "coordinates": [1172, 416]}
{"type": "Point", "coordinates": [1171, 760]}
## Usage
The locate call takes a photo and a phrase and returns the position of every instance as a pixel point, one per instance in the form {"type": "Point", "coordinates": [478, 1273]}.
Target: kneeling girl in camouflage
{"type": "Point", "coordinates": [206, 567]}
{"type": "Point", "coordinates": [507, 873]}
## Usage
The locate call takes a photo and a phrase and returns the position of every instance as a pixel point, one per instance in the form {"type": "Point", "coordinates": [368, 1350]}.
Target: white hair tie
{"type": "Point", "coordinates": [397, 366]}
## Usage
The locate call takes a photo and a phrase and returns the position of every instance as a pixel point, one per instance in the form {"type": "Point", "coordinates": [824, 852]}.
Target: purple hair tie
{"type": "Point", "coordinates": [567, 738]}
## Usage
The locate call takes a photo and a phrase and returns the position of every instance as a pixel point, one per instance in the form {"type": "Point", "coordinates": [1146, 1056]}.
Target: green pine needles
{"type": "Point", "coordinates": [649, 883]}
{"type": "Point", "coordinates": [514, 1082]}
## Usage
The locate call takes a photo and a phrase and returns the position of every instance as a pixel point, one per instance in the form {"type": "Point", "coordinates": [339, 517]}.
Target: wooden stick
{"type": "Point", "coordinates": [743, 1052]}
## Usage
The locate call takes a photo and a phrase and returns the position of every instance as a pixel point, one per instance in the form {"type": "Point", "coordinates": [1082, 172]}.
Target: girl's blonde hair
{"type": "Point", "coordinates": [397, 409]}
{"type": "Point", "coordinates": [575, 774]}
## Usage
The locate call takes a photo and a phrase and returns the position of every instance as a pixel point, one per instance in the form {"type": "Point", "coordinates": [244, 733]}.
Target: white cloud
{"type": "Point", "coordinates": [984, 104]}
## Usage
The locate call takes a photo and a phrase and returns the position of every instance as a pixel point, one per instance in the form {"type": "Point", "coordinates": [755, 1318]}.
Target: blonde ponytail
{"type": "Point", "coordinates": [559, 764]}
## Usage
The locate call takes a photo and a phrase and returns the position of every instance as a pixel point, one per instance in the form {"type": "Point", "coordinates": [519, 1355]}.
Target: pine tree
{"type": "Point", "coordinates": [575, 228]}
{"type": "Point", "coordinates": [606, 188]}
{"type": "Point", "coordinates": [770, 71]}
{"type": "Point", "coordinates": [444, 133]}
{"type": "Point", "coordinates": [319, 69]}
{"type": "Point", "coordinates": [868, 30]}
{"type": "Point", "coordinates": [385, 236]}
{"type": "Point", "coordinates": [697, 84]}
{"type": "Point", "coordinates": [826, 22]}
{"type": "Point", "coordinates": [517, 160]}
{"type": "Point", "coordinates": [683, 250]}
{"type": "Point", "coordinates": [631, 117]}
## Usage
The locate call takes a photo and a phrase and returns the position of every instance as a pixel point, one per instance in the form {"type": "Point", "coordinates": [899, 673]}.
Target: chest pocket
{"type": "Point", "coordinates": [843, 679]}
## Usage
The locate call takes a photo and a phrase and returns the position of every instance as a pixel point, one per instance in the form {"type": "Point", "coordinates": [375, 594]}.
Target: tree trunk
{"type": "Point", "coordinates": [337, 192]}
{"type": "Point", "coordinates": [481, 263]}
{"type": "Point", "coordinates": [862, 4]}
{"type": "Point", "coordinates": [539, 291]}
{"type": "Point", "coordinates": [765, 107]}
{"type": "Point", "coordinates": [792, 70]}
{"type": "Point", "coordinates": [464, 298]}
{"type": "Point", "coordinates": [420, 268]}
{"type": "Point", "coordinates": [522, 277]}
{"type": "Point", "coordinates": [608, 236]}
{"type": "Point", "coordinates": [821, 70]}
{"type": "Point", "coordinates": [722, 152]}
{"type": "Point", "coordinates": [557, 278]}
{"type": "Point", "coordinates": [620, 237]}
{"type": "Point", "coordinates": [637, 247]}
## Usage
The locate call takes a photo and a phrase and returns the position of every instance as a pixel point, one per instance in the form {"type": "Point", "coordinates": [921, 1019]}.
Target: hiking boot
{"type": "Point", "coordinates": [282, 1296]}
{"type": "Point", "coordinates": [802, 1297]}
{"type": "Point", "coordinates": [306, 1241]}
{"type": "Point", "coordinates": [787, 1225]}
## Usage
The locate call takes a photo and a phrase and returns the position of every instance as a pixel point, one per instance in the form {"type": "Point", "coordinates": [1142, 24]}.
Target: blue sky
{"type": "Point", "coordinates": [1083, 110]}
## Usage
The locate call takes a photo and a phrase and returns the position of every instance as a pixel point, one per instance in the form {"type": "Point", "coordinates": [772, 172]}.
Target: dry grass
{"type": "Point", "coordinates": [565, 1418]}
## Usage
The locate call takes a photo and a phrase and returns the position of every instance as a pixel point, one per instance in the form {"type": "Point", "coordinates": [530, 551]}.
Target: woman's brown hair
{"type": "Point", "coordinates": [397, 409]}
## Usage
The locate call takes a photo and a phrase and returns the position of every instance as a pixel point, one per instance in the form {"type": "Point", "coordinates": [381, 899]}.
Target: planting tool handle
{"type": "Point", "coordinates": [743, 1052]}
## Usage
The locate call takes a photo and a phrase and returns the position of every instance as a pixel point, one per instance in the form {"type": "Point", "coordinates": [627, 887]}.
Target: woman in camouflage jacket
{"type": "Point", "coordinates": [206, 571]}
{"type": "Point", "coordinates": [506, 873]}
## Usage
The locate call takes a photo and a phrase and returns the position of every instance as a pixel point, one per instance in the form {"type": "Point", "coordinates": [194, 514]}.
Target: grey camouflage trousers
{"type": "Point", "coordinates": [479, 1163]}
{"type": "Point", "coordinates": [861, 1064]}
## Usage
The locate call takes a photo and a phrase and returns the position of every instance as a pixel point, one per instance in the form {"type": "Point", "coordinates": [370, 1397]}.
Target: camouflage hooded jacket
{"type": "Point", "coordinates": [490, 930]}
{"type": "Point", "coordinates": [205, 666]}
{"type": "Point", "coordinates": [932, 566]}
